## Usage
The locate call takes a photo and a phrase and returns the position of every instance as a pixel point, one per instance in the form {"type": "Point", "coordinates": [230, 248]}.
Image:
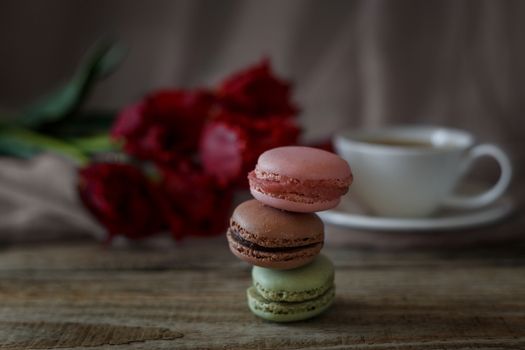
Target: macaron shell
{"type": "Point", "coordinates": [285, 311]}
{"type": "Point", "coordinates": [306, 282]}
{"type": "Point", "coordinates": [304, 163]}
{"type": "Point", "coordinates": [271, 227]}
{"type": "Point", "coordinates": [289, 205]}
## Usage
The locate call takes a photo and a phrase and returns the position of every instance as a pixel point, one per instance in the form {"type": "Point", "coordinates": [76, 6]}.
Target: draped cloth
{"type": "Point", "coordinates": [353, 63]}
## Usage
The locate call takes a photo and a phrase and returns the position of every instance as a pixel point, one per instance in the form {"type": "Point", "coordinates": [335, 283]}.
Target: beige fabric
{"type": "Point", "coordinates": [355, 63]}
{"type": "Point", "coordinates": [38, 201]}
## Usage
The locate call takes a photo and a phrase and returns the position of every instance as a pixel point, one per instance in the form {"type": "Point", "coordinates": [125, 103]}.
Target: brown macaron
{"type": "Point", "coordinates": [273, 238]}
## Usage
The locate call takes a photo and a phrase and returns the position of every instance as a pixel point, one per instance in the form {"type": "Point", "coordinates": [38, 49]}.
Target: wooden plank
{"type": "Point", "coordinates": [81, 296]}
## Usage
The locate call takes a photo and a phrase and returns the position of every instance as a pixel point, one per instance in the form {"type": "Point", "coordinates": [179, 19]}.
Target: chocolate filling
{"type": "Point", "coordinates": [248, 244]}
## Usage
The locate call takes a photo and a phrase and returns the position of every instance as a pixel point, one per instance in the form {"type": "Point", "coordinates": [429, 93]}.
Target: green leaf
{"type": "Point", "coordinates": [99, 63]}
{"type": "Point", "coordinates": [112, 58]}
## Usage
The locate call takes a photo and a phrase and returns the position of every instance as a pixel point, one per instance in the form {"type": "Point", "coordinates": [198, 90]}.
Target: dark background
{"type": "Point", "coordinates": [458, 63]}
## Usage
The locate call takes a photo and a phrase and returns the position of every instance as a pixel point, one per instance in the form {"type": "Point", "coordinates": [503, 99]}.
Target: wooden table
{"type": "Point", "coordinates": [80, 295]}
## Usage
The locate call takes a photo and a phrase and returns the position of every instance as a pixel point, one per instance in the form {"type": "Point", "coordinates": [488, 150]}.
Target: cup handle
{"type": "Point", "coordinates": [493, 193]}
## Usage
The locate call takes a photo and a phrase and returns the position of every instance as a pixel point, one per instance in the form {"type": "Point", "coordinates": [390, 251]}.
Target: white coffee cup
{"type": "Point", "coordinates": [411, 171]}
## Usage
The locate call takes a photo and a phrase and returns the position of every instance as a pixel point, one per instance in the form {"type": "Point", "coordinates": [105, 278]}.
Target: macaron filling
{"type": "Point", "coordinates": [233, 233]}
{"type": "Point", "coordinates": [302, 191]}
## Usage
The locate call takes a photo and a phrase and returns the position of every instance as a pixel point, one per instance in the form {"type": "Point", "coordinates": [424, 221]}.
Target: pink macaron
{"type": "Point", "coordinates": [300, 179]}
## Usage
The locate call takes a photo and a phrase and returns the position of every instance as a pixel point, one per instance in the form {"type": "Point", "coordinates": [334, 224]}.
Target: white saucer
{"type": "Point", "coordinates": [345, 215]}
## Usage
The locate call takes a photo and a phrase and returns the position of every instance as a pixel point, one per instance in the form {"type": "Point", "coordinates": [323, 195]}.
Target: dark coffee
{"type": "Point", "coordinates": [401, 142]}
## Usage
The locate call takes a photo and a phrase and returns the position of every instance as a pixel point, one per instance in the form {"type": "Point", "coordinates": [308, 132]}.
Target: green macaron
{"type": "Point", "coordinates": [292, 295]}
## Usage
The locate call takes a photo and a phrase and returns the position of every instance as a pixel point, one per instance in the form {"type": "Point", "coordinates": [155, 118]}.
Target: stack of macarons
{"type": "Point", "coordinates": [280, 234]}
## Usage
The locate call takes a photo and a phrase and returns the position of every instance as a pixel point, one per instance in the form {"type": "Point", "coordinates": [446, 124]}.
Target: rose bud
{"type": "Point", "coordinates": [192, 202]}
{"type": "Point", "coordinates": [120, 197]}
{"type": "Point", "coordinates": [230, 146]}
{"type": "Point", "coordinates": [257, 92]}
{"type": "Point", "coordinates": [166, 126]}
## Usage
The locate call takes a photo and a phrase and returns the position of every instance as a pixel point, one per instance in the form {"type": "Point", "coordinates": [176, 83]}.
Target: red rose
{"type": "Point", "coordinates": [193, 203]}
{"type": "Point", "coordinates": [165, 126]}
{"type": "Point", "coordinates": [255, 114]}
{"type": "Point", "coordinates": [121, 198]}
{"type": "Point", "coordinates": [231, 144]}
{"type": "Point", "coordinates": [257, 92]}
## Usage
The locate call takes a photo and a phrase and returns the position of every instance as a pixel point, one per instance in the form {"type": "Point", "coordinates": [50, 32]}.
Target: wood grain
{"type": "Point", "coordinates": [82, 296]}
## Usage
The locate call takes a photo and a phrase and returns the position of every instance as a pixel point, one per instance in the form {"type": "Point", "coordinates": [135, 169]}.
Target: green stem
{"type": "Point", "coordinates": [43, 142]}
{"type": "Point", "coordinates": [94, 144]}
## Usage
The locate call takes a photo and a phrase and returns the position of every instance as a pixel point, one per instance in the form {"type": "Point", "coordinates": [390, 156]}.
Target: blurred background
{"type": "Point", "coordinates": [353, 63]}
